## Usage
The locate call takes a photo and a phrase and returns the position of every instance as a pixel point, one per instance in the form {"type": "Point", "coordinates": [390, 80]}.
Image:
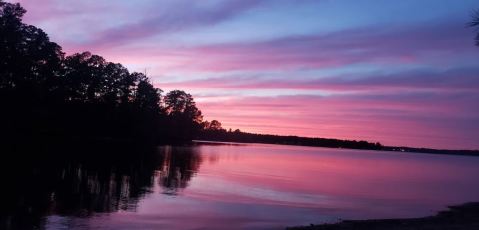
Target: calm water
{"type": "Point", "coordinates": [251, 186]}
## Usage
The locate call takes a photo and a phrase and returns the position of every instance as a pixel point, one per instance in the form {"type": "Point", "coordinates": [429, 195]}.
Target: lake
{"type": "Point", "coordinates": [233, 186]}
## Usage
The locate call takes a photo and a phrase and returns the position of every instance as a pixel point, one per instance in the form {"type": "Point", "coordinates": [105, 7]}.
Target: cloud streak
{"type": "Point", "coordinates": [419, 119]}
{"type": "Point", "coordinates": [378, 77]}
{"type": "Point", "coordinates": [449, 80]}
{"type": "Point", "coordinates": [396, 46]}
{"type": "Point", "coordinates": [174, 17]}
{"type": "Point", "coordinates": [419, 45]}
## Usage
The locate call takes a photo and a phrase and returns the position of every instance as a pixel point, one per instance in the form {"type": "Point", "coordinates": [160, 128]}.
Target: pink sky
{"type": "Point", "coordinates": [309, 68]}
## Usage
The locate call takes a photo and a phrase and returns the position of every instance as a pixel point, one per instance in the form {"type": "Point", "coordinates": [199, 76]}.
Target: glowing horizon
{"type": "Point", "coordinates": [400, 73]}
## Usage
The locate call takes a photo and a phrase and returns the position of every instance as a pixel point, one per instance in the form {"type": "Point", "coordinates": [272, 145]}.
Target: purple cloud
{"type": "Point", "coordinates": [175, 17]}
{"type": "Point", "coordinates": [418, 82]}
{"type": "Point", "coordinates": [430, 45]}
{"type": "Point", "coordinates": [453, 79]}
{"type": "Point", "coordinates": [366, 45]}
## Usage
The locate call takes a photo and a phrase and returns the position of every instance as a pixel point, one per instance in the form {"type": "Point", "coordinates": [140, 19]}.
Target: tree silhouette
{"type": "Point", "coordinates": [214, 132]}
{"type": "Point", "coordinates": [214, 125]}
{"type": "Point", "coordinates": [27, 57]}
{"type": "Point", "coordinates": [147, 96]}
{"type": "Point", "coordinates": [184, 117]}
{"type": "Point", "coordinates": [45, 94]}
{"type": "Point", "coordinates": [475, 24]}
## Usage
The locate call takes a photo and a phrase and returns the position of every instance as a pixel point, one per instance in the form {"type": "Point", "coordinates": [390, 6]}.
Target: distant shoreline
{"type": "Point", "coordinates": [381, 148]}
{"type": "Point", "coordinates": [461, 217]}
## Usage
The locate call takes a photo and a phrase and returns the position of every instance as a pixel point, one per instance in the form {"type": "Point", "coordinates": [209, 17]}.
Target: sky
{"type": "Point", "coordinates": [397, 72]}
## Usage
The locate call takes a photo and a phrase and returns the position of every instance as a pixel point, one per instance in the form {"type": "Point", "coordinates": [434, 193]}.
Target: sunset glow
{"type": "Point", "coordinates": [396, 72]}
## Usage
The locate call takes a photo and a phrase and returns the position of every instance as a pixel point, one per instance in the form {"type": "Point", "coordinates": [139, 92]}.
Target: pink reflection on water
{"type": "Point", "coordinates": [313, 177]}
{"type": "Point", "coordinates": [271, 187]}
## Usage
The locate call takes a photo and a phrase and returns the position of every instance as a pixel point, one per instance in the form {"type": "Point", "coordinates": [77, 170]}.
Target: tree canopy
{"type": "Point", "coordinates": [44, 92]}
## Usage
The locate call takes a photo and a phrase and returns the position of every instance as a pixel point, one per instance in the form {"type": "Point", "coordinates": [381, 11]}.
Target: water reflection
{"type": "Point", "coordinates": [80, 186]}
{"type": "Point", "coordinates": [80, 180]}
{"type": "Point", "coordinates": [178, 167]}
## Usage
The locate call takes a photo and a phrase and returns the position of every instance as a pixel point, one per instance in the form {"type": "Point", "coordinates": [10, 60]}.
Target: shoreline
{"type": "Point", "coordinates": [384, 148]}
{"type": "Point", "coordinates": [460, 217]}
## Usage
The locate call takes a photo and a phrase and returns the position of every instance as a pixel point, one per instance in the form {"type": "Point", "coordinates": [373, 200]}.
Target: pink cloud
{"type": "Point", "coordinates": [432, 108]}
{"type": "Point", "coordinates": [440, 121]}
{"type": "Point", "coordinates": [120, 23]}
{"type": "Point", "coordinates": [454, 79]}
{"type": "Point", "coordinates": [420, 45]}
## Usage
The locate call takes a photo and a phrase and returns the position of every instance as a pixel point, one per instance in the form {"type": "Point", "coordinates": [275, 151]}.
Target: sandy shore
{"type": "Point", "coordinates": [462, 217]}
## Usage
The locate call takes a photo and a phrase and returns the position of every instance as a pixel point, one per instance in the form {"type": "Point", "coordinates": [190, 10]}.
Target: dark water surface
{"type": "Point", "coordinates": [213, 186]}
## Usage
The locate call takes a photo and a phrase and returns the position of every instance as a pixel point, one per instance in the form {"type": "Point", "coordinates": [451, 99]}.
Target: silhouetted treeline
{"type": "Point", "coordinates": [214, 132]}
{"type": "Point", "coordinates": [44, 93]}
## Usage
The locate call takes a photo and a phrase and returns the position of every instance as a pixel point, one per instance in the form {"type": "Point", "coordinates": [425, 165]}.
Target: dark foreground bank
{"type": "Point", "coordinates": [463, 217]}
